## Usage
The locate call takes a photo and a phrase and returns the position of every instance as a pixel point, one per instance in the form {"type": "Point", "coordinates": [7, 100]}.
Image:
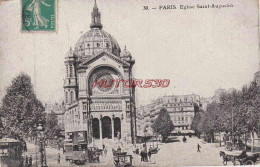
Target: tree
{"type": "Point", "coordinates": [1, 126]}
{"type": "Point", "coordinates": [237, 113]}
{"type": "Point", "coordinates": [163, 124]}
{"type": "Point", "coordinates": [195, 125]}
{"type": "Point", "coordinates": [21, 110]}
{"type": "Point", "coordinates": [52, 128]}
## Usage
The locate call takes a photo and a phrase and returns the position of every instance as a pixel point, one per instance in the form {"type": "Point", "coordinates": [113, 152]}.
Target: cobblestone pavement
{"type": "Point", "coordinates": [176, 153]}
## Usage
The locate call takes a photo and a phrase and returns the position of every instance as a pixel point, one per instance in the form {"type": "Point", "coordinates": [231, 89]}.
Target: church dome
{"type": "Point", "coordinates": [94, 41]}
{"type": "Point", "coordinates": [126, 55]}
{"type": "Point", "coordinates": [70, 53]}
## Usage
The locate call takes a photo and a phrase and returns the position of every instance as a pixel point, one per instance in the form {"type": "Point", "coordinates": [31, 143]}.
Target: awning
{"type": "Point", "coordinates": [175, 131]}
{"type": "Point", "coordinates": [187, 131]}
{"type": "Point", "coordinates": [9, 140]}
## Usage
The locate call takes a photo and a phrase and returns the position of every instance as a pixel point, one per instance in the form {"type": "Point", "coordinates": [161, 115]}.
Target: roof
{"type": "Point", "coordinates": [94, 41]}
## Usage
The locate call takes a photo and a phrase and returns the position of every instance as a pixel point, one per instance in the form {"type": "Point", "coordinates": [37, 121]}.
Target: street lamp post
{"type": "Point", "coordinates": [232, 130]}
{"type": "Point", "coordinates": [42, 146]}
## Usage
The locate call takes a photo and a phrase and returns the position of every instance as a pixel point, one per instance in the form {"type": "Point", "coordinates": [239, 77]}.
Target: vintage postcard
{"type": "Point", "coordinates": [133, 83]}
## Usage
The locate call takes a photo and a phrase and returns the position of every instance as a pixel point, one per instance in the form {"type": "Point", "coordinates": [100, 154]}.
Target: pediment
{"type": "Point", "coordinates": [101, 55]}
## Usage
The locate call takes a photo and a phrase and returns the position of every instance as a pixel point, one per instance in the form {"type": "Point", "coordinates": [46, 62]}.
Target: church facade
{"type": "Point", "coordinates": [99, 114]}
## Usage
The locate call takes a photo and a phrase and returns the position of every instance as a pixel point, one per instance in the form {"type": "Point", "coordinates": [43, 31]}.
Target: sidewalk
{"type": "Point", "coordinates": [51, 158]}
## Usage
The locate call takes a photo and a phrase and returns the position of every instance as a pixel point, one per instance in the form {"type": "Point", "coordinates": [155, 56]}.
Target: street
{"type": "Point", "coordinates": [175, 153]}
{"type": "Point", "coordinates": [185, 154]}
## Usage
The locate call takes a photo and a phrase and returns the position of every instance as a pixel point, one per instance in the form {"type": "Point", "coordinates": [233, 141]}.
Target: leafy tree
{"type": "Point", "coordinates": [195, 125]}
{"type": "Point", "coordinates": [163, 124]}
{"type": "Point", "coordinates": [237, 113]}
{"type": "Point", "coordinates": [52, 128]}
{"type": "Point", "coordinates": [1, 126]}
{"type": "Point", "coordinates": [20, 109]}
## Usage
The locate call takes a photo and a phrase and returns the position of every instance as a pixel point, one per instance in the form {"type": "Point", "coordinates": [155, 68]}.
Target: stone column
{"type": "Point", "coordinates": [113, 130]}
{"type": "Point", "coordinates": [100, 132]}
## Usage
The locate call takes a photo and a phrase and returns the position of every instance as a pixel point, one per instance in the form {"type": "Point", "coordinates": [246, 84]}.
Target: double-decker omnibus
{"type": "Point", "coordinates": [11, 151]}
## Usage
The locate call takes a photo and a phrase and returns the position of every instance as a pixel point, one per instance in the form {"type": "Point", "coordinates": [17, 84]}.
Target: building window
{"type": "Point", "coordinates": [182, 118]}
{"type": "Point", "coordinates": [66, 97]}
{"type": "Point", "coordinates": [71, 96]}
{"type": "Point", "coordinates": [67, 69]}
{"type": "Point", "coordinates": [84, 106]}
{"type": "Point", "coordinates": [71, 70]}
{"type": "Point", "coordinates": [179, 119]}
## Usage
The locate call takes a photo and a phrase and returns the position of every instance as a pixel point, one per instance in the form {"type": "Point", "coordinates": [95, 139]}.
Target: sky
{"type": "Point", "coordinates": [199, 50]}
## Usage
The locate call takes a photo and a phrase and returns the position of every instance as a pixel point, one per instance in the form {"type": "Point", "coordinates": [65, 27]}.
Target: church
{"type": "Point", "coordinates": [98, 115]}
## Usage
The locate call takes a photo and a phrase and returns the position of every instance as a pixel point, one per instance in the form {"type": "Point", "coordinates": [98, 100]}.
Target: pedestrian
{"type": "Point", "coordinates": [104, 146]}
{"type": "Point", "coordinates": [113, 151]}
{"type": "Point", "coordinates": [142, 156]}
{"type": "Point", "coordinates": [26, 161]}
{"type": "Point", "coordinates": [137, 150]}
{"type": "Point", "coordinates": [150, 153]}
{"type": "Point", "coordinates": [25, 146]}
{"type": "Point", "coordinates": [184, 139]}
{"type": "Point", "coordinates": [58, 158]}
{"type": "Point", "coordinates": [30, 161]}
{"type": "Point", "coordinates": [119, 149]}
{"type": "Point", "coordinates": [198, 147]}
{"type": "Point", "coordinates": [105, 152]}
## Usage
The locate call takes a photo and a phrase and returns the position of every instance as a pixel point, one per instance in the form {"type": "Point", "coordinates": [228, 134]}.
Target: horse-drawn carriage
{"type": "Point", "coordinates": [94, 154]}
{"type": "Point", "coordinates": [239, 159]}
{"type": "Point", "coordinates": [80, 153]}
{"type": "Point", "coordinates": [121, 159]}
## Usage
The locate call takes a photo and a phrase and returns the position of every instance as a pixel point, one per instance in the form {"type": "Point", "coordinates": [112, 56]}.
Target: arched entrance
{"type": "Point", "coordinates": [117, 127]}
{"type": "Point", "coordinates": [106, 127]}
{"type": "Point", "coordinates": [95, 127]}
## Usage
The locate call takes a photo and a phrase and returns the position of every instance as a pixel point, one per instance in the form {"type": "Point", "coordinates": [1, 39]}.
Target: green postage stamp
{"type": "Point", "coordinates": [39, 15]}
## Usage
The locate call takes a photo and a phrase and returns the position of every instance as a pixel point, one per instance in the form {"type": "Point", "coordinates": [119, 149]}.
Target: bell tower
{"type": "Point", "coordinates": [70, 81]}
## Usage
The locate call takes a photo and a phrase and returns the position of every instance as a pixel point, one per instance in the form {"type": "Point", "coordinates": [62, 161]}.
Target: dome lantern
{"type": "Point", "coordinates": [96, 18]}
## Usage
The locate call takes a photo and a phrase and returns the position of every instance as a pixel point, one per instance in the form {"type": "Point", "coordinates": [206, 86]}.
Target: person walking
{"type": "Point", "coordinates": [58, 161]}
{"type": "Point", "coordinates": [142, 156]}
{"type": "Point", "coordinates": [198, 147]}
{"type": "Point", "coordinates": [30, 161]}
{"type": "Point", "coordinates": [105, 152]}
{"type": "Point", "coordinates": [119, 149]}
{"type": "Point", "coordinates": [137, 150]}
{"type": "Point", "coordinates": [150, 153]}
{"type": "Point", "coordinates": [25, 146]}
{"type": "Point", "coordinates": [26, 161]}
